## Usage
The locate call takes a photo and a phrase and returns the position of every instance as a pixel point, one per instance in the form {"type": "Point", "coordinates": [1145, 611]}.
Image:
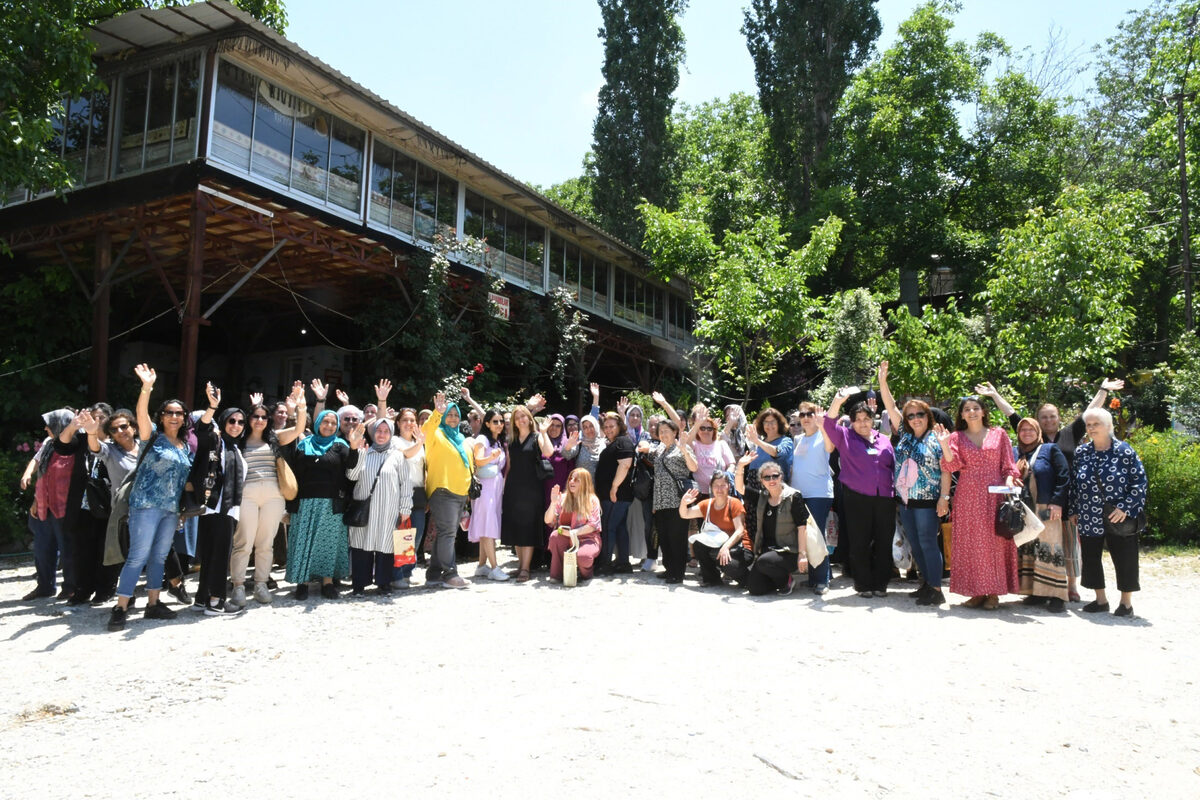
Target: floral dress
{"type": "Point", "coordinates": [984, 563]}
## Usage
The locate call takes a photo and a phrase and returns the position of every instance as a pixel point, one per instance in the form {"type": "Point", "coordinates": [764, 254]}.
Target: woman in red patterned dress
{"type": "Point", "coordinates": [985, 565]}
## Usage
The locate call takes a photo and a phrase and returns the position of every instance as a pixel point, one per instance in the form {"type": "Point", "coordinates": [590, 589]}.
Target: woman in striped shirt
{"type": "Point", "coordinates": [381, 476]}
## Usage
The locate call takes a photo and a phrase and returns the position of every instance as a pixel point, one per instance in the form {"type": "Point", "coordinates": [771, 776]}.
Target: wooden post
{"type": "Point", "coordinates": [98, 379]}
{"type": "Point", "coordinates": [189, 342]}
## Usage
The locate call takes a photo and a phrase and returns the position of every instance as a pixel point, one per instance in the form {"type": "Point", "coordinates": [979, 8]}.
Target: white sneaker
{"type": "Point", "coordinates": [401, 583]}
{"type": "Point", "coordinates": [261, 594]}
{"type": "Point", "coordinates": [482, 571]}
{"type": "Point", "coordinates": [498, 574]}
{"type": "Point", "coordinates": [648, 565]}
{"type": "Point", "coordinates": [238, 597]}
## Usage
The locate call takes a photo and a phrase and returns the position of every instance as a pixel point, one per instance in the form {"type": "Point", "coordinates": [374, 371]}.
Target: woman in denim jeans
{"type": "Point", "coordinates": [922, 487]}
{"type": "Point", "coordinates": [158, 484]}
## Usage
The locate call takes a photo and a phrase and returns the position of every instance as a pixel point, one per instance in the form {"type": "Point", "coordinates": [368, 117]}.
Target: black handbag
{"type": "Point", "coordinates": [98, 492]}
{"type": "Point", "coordinates": [1130, 526]}
{"type": "Point", "coordinates": [543, 468]}
{"type": "Point", "coordinates": [1010, 517]}
{"type": "Point", "coordinates": [643, 480]}
{"type": "Point", "coordinates": [476, 487]}
{"type": "Point", "coordinates": [357, 513]}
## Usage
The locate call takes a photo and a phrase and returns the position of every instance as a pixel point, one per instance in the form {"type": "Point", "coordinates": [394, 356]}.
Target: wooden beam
{"type": "Point", "coordinates": [189, 342]}
{"type": "Point", "coordinates": [101, 299]}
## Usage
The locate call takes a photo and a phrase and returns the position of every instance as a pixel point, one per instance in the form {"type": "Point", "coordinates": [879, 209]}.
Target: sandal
{"type": "Point", "coordinates": [523, 576]}
{"type": "Point", "coordinates": [991, 603]}
{"type": "Point", "coordinates": [975, 602]}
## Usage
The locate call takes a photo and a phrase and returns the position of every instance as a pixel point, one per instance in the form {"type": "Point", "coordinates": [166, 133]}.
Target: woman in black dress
{"type": "Point", "coordinates": [521, 515]}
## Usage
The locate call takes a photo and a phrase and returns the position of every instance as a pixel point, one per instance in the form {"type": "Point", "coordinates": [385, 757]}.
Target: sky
{"type": "Point", "coordinates": [516, 83]}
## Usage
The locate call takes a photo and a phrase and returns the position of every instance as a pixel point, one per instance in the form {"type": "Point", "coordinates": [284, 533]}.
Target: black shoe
{"type": "Point", "coordinates": [1034, 600]}
{"type": "Point", "coordinates": [271, 584]}
{"type": "Point", "coordinates": [1058, 606]}
{"type": "Point", "coordinates": [933, 597]}
{"type": "Point", "coordinates": [180, 593]}
{"type": "Point", "coordinates": [36, 595]}
{"type": "Point", "coordinates": [672, 579]}
{"type": "Point", "coordinates": [1095, 607]}
{"type": "Point", "coordinates": [1123, 611]}
{"type": "Point", "coordinates": [103, 597]}
{"type": "Point", "coordinates": [623, 568]}
{"type": "Point", "coordinates": [329, 591]}
{"type": "Point", "coordinates": [919, 593]}
{"type": "Point", "coordinates": [301, 592]}
{"type": "Point", "coordinates": [385, 590]}
{"type": "Point", "coordinates": [159, 610]}
{"type": "Point", "coordinates": [78, 599]}
{"type": "Point", "coordinates": [65, 594]}
{"type": "Point", "coordinates": [116, 622]}
{"type": "Point", "coordinates": [132, 605]}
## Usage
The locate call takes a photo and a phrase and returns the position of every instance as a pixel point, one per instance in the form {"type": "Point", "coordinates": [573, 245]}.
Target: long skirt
{"type": "Point", "coordinates": [1042, 563]}
{"type": "Point", "coordinates": [318, 544]}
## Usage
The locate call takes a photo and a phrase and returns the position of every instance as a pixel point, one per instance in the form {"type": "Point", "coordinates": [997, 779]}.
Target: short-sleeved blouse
{"type": "Point", "coordinates": [670, 466]}
{"type": "Point", "coordinates": [162, 475]}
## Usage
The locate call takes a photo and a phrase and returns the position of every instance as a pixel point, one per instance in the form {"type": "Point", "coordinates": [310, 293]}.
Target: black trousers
{"type": "Point", "coordinates": [87, 543]}
{"type": "Point", "coordinates": [769, 572]}
{"type": "Point", "coordinates": [214, 545]}
{"type": "Point", "coordinates": [367, 566]}
{"type": "Point", "coordinates": [870, 523]}
{"type": "Point", "coordinates": [672, 538]}
{"type": "Point", "coordinates": [710, 570]}
{"type": "Point", "coordinates": [1124, 553]}
{"type": "Point", "coordinates": [648, 520]}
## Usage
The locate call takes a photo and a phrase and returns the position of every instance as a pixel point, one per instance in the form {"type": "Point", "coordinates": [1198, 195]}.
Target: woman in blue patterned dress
{"type": "Point", "coordinates": [1107, 470]}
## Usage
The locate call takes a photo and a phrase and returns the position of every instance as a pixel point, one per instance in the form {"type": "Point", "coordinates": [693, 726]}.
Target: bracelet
{"type": "Point", "coordinates": [147, 391]}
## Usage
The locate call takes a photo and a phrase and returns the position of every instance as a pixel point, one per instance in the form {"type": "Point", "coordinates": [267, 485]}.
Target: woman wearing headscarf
{"type": "Point", "coordinates": [521, 523]}
{"type": "Point", "coordinates": [734, 434]}
{"type": "Point", "coordinates": [591, 442]}
{"type": "Point", "coordinates": [1042, 563]}
{"type": "Point", "coordinates": [410, 440]}
{"type": "Point", "coordinates": [158, 484]}
{"type": "Point", "coordinates": [318, 544]}
{"type": "Point", "coordinates": [380, 477]}
{"type": "Point", "coordinates": [447, 482]}
{"type": "Point", "coordinates": [490, 458]}
{"type": "Point", "coordinates": [218, 482]}
{"type": "Point", "coordinates": [562, 460]}
{"type": "Point", "coordinates": [673, 468]}
{"type": "Point", "coordinates": [57, 497]}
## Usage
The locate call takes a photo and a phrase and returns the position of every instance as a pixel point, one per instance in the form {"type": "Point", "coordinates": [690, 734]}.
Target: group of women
{"type": "Point", "coordinates": [741, 501]}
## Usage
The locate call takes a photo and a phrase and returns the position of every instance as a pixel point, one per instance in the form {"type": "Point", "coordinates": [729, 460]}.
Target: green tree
{"type": "Point", "coordinates": [1183, 386]}
{"type": "Point", "coordinates": [939, 355]}
{"type": "Point", "coordinates": [633, 145]}
{"type": "Point", "coordinates": [45, 56]}
{"type": "Point", "coordinates": [848, 341]}
{"type": "Point", "coordinates": [1058, 293]}
{"type": "Point", "coordinates": [805, 53]}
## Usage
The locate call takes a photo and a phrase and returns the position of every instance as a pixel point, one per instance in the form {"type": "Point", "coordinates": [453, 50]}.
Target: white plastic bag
{"type": "Point", "coordinates": [901, 551]}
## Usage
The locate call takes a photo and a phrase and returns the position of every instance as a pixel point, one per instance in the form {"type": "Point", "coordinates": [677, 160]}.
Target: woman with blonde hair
{"type": "Point", "coordinates": [575, 511]}
{"type": "Point", "coordinates": [520, 524]}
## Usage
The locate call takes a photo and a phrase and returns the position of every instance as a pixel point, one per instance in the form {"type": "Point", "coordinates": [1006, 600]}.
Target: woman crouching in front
{"type": "Point", "coordinates": [578, 509]}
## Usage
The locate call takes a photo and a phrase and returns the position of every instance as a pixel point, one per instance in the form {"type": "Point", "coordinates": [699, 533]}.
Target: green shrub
{"type": "Point", "coordinates": [1172, 462]}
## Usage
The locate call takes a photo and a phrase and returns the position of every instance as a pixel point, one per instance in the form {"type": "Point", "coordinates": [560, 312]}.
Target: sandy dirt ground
{"type": "Point", "coordinates": [620, 687]}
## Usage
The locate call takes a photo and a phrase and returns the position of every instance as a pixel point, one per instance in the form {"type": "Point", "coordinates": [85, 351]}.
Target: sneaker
{"type": "Point", "coordinates": [160, 611]}
{"type": "Point", "coordinates": [648, 565]}
{"type": "Point", "coordinates": [116, 622]}
{"type": "Point", "coordinates": [180, 593]}
{"type": "Point", "coordinates": [866, 594]}
{"type": "Point", "coordinates": [197, 606]}
{"type": "Point", "coordinates": [261, 594]}
{"type": "Point", "coordinates": [222, 609]}
{"type": "Point", "coordinates": [788, 589]}
{"type": "Point", "coordinates": [402, 583]}
{"type": "Point", "coordinates": [498, 574]}
{"type": "Point", "coordinates": [879, 593]}
{"type": "Point", "coordinates": [238, 596]}
{"type": "Point", "coordinates": [301, 592]}
{"type": "Point", "coordinates": [820, 589]}
{"type": "Point", "coordinates": [435, 582]}
{"type": "Point", "coordinates": [329, 591]}
{"type": "Point", "coordinates": [456, 582]}
{"type": "Point", "coordinates": [933, 597]}
{"type": "Point", "coordinates": [483, 571]}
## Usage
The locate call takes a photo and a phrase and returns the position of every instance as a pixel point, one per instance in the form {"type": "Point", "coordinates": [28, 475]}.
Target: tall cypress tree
{"type": "Point", "coordinates": [634, 147]}
{"type": "Point", "coordinates": [805, 53]}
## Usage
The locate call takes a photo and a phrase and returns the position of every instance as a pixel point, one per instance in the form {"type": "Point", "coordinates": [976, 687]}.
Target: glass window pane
{"type": "Point", "coordinates": [233, 115]}
{"type": "Point", "coordinates": [558, 249]}
{"type": "Point", "coordinates": [97, 160]}
{"type": "Point", "coordinates": [272, 156]}
{"type": "Point", "coordinates": [404, 184]}
{"type": "Point", "coordinates": [600, 286]}
{"type": "Point", "coordinates": [571, 269]}
{"type": "Point", "coordinates": [158, 123]}
{"type": "Point", "coordinates": [133, 122]}
{"type": "Point", "coordinates": [493, 231]}
{"type": "Point", "coordinates": [473, 216]}
{"type": "Point", "coordinates": [447, 204]}
{"type": "Point", "coordinates": [379, 199]}
{"type": "Point", "coordinates": [186, 107]}
{"type": "Point", "coordinates": [310, 153]}
{"type": "Point", "coordinates": [75, 133]}
{"type": "Point", "coordinates": [426, 201]}
{"type": "Point", "coordinates": [514, 245]}
{"type": "Point", "coordinates": [345, 165]}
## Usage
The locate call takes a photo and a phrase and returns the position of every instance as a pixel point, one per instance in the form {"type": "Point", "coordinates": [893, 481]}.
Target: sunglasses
{"type": "Point", "coordinates": [172, 413]}
{"type": "Point", "coordinates": [351, 419]}
{"type": "Point", "coordinates": [806, 414]}
{"type": "Point", "coordinates": [235, 422]}
{"type": "Point", "coordinates": [915, 415]}
{"type": "Point", "coordinates": [795, 425]}
{"type": "Point", "coordinates": [124, 426]}
{"type": "Point", "coordinates": [260, 416]}
{"type": "Point", "coordinates": [708, 428]}
{"type": "Point", "coordinates": [774, 476]}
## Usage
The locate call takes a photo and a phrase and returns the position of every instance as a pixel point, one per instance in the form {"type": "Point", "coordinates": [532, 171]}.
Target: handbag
{"type": "Point", "coordinates": [710, 534]}
{"type": "Point", "coordinates": [288, 486]}
{"type": "Point", "coordinates": [357, 513]}
{"type": "Point", "coordinates": [98, 491]}
{"type": "Point", "coordinates": [1010, 517]}
{"type": "Point", "coordinates": [475, 489]}
{"type": "Point", "coordinates": [1130, 526]}
{"type": "Point", "coordinates": [404, 547]}
{"type": "Point", "coordinates": [643, 481]}
{"type": "Point", "coordinates": [190, 505]}
{"type": "Point", "coordinates": [814, 542]}
{"type": "Point", "coordinates": [571, 561]}
{"type": "Point", "coordinates": [543, 469]}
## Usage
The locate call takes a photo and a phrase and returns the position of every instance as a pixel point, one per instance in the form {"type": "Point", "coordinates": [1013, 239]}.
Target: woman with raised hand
{"type": "Point", "coordinates": [218, 483]}
{"type": "Point", "coordinates": [318, 543]}
{"type": "Point", "coordinates": [114, 444]}
{"type": "Point", "coordinates": [58, 494]}
{"type": "Point", "coordinates": [1042, 563]}
{"type": "Point", "coordinates": [562, 459]}
{"type": "Point", "coordinates": [985, 565]}
{"type": "Point", "coordinates": [577, 510]}
{"type": "Point", "coordinates": [722, 516]}
{"type": "Point", "coordinates": [490, 458]}
{"type": "Point", "coordinates": [381, 478]}
{"type": "Point", "coordinates": [922, 487]}
{"type": "Point", "coordinates": [154, 496]}
{"type": "Point", "coordinates": [410, 441]}
{"type": "Point", "coordinates": [448, 482]}
{"type": "Point", "coordinates": [1108, 489]}
{"type": "Point", "coordinates": [520, 524]}
{"type": "Point", "coordinates": [867, 462]}
{"type": "Point", "coordinates": [812, 476]}
{"type": "Point", "coordinates": [769, 441]}
{"type": "Point", "coordinates": [614, 487]}
{"type": "Point", "coordinates": [263, 505]}
{"type": "Point", "coordinates": [734, 432]}
{"type": "Point", "coordinates": [673, 468]}
{"type": "Point", "coordinates": [590, 445]}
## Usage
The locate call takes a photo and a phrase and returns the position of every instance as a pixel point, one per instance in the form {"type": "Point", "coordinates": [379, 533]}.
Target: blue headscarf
{"type": "Point", "coordinates": [317, 445]}
{"type": "Point", "coordinates": [454, 435]}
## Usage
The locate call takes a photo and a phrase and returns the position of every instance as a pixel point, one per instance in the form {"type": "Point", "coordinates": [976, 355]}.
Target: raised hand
{"type": "Point", "coordinates": [572, 440]}
{"type": "Point", "coordinates": [382, 390]}
{"type": "Point", "coordinates": [256, 399]}
{"type": "Point", "coordinates": [214, 395]}
{"type": "Point", "coordinates": [622, 405]}
{"type": "Point", "coordinates": [555, 493]}
{"type": "Point", "coordinates": [659, 398]}
{"type": "Point", "coordinates": [89, 423]}
{"type": "Point", "coordinates": [356, 435]}
{"type": "Point", "coordinates": [536, 403]}
{"type": "Point", "coordinates": [390, 413]}
{"type": "Point", "coordinates": [752, 435]}
{"type": "Point", "coordinates": [594, 388]}
{"type": "Point", "coordinates": [439, 402]}
{"type": "Point", "coordinates": [146, 375]}
{"type": "Point", "coordinates": [1112, 384]}
{"type": "Point", "coordinates": [342, 397]}
{"type": "Point", "coordinates": [545, 426]}
{"type": "Point", "coordinates": [319, 389]}
{"type": "Point", "coordinates": [985, 389]}
{"type": "Point", "coordinates": [749, 456]}
{"type": "Point", "coordinates": [883, 372]}
{"type": "Point", "coordinates": [690, 496]}
{"type": "Point", "coordinates": [466, 393]}
{"type": "Point", "coordinates": [942, 434]}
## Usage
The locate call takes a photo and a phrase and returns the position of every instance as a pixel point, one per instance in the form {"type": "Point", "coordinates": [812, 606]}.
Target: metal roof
{"type": "Point", "coordinates": [138, 31]}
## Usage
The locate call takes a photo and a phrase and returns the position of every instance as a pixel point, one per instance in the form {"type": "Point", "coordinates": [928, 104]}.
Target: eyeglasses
{"type": "Point", "coordinates": [806, 414]}
{"type": "Point", "coordinates": [170, 413]}
{"type": "Point", "coordinates": [774, 476]}
{"type": "Point", "coordinates": [915, 415]}
{"type": "Point", "coordinates": [260, 416]}
{"type": "Point", "coordinates": [795, 425]}
{"type": "Point", "coordinates": [124, 426]}
{"type": "Point", "coordinates": [235, 422]}
{"type": "Point", "coordinates": [496, 421]}
{"type": "Point", "coordinates": [351, 419]}
{"type": "Point", "coordinates": [708, 428]}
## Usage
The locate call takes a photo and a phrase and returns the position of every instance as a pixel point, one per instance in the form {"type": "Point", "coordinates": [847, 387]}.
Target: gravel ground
{"type": "Point", "coordinates": [621, 686]}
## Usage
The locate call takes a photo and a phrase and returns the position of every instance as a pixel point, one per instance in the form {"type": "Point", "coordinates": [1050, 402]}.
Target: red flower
{"type": "Point", "coordinates": [478, 368]}
{"type": "Point", "coordinates": [1115, 403]}
{"type": "Point", "coordinates": [470, 378]}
